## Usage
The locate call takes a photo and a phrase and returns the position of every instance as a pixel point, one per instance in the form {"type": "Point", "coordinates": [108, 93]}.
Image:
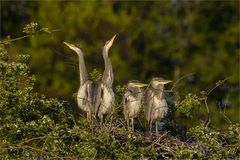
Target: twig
{"type": "Point", "coordinates": [224, 113]}
{"type": "Point", "coordinates": [208, 119]}
{"type": "Point", "coordinates": [22, 37]}
{"type": "Point", "coordinates": [181, 78]}
{"type": "Point", "coordinates": [14, 39]}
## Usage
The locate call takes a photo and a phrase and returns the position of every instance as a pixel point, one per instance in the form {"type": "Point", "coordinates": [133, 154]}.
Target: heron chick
{"type": "Point", "coordinates": [86, 89]}
{"type": "Point", "coordinates": [104, 98]}
{"type": "Point", "coordinates": [132, 101]}
{"type": "Point", "coordinates": [155, 104]}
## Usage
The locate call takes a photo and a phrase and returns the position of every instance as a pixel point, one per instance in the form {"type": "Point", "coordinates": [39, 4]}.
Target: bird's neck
{"type": "Point", "coordinates": [82, 69]}
{"type": "Point", "coordinates": [159, 92]}
{"type": "Point", "coordinates": [108, 73]}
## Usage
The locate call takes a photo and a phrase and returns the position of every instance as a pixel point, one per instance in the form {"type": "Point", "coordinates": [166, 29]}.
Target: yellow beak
{"type": "Point", "coordinates": [68, 44]}
{"type": "Point", "coordinates": [140, 84]}
{"type": "Point", "coordinates": [164, 81]}
{"type": "Point", "coordinates": [110, 42]}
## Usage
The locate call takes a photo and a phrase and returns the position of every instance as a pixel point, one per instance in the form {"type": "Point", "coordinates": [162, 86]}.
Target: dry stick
{"type": "Point", "coordinates": [163, 147]}
{"type": "Point", "coordinates": [208, 119]}
{"type": "Point", "coordinates": [224, 113]}
{"type": "Point", "coordinates": [175, 83]}
{"type": "Point", "coordinates": [157, 141]}
{"type": "Point", "coordinates": [22, 37]}
{"type": "Point", "coordinates": [43, 145]}
{"type": "Point", "coordinates": [15, 39]}
{"type": "Point", "coordinates": [181, 78]}
{"type": "Point", "coordinates": [168, 149]}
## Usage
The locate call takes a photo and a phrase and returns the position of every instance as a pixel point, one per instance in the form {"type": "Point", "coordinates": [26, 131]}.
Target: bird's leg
{"type": "Point", "coordinates": [156, 125]}
{"type": "Point", "coordinates": [132, 123]}
{"type": "Point", "coordinates": [101, 119]}
{"type": "Point", "coordinates": [150, 126]}
{"type": "Point", "coordinates": [90, 116]}
{"type": "Point", "coordinates": [127, 124]}
{"type": "Point", "coordinates": [87, 116]}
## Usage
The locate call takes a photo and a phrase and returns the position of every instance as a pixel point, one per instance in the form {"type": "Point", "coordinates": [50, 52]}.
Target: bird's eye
{"type": "Point", "coordinates": [78, 45]}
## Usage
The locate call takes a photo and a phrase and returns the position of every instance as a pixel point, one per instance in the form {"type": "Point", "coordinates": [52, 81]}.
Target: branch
{"type": "Point", "coordinates": [181, 78]}
{"type": "Point", "coordinates": [224, 113]}
{"type": "Point", "coordinates": [208, 119]}
{"type": "Point", "coordinates": [22, 37]}
{"type": "Point", "coordinates": [14, 39]}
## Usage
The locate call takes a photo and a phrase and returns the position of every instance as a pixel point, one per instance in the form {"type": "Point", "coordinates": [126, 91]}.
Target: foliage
{"type": "Point", "coordinates": [189, 104]}
{"type": "Point", "coordinates": [222, 144]}
{"type": "Point", "coordinates": [161, 38]}
{"type": "Point", "coordinates": [186, 153]}
{"type": "Point", "coordinates": [206, 135]}
{"type": "Point", "coordinates": [33, 126]}
{"type": "Point", "coordinates": [95, 75]}
{"type": "Point", "coordinates": [34, 29]}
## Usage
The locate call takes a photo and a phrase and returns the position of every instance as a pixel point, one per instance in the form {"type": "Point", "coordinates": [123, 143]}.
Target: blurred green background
{"type": "Point", "coordinates": [166, 39]}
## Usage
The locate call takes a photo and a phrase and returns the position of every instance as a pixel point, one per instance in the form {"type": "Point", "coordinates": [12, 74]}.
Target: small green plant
{"type": "Point", "coordinates": [96, 75]}
{"type": "Point", "coordinates": [34, 29]}
{"type": "Point", "coordinates": [186, 153]}
{"type": "Point", "coordinates": [190, 103]}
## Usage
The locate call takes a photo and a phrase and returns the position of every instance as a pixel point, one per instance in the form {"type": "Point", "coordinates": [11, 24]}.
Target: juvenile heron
{"type": "Point", "coordinates": [155, 104]}
{"type": "Point", "coordinates": [132, 101]}
{"type": "Point", "coordinates": [104, 98]}
{"type": "Point", "coordinates": [85, 91]}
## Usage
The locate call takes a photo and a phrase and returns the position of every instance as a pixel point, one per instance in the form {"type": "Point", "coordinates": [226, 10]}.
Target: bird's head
{"type": "Point", "coordinates": [75, 47]}
{"type": "Point", "coordinates": [134, 85]}
{"type": "Point", "coordinates": [159, 83]}
{"type": "Point", "coordinates": [109, 43]}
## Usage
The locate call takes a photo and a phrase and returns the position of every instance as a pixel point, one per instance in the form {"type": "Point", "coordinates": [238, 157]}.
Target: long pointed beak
{"type": "Point", "coordinates": [164, 81]}
{"type": "Point", "coordinates": [140, 84]}
{"type": "Point", "coordinates": [68, 44]}
{"type": "Point", "coordinates": [110, 42]}
{"type": "Point", "coordinates": [112, 39]}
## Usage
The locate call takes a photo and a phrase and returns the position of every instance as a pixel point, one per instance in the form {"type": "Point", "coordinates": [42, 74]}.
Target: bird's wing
{"type": "Point", "coordinates": [125, 101]}
{"type": "Point", "coordinates": [148, 104]}
{"type": "Point", "coordinates": [98, 96]}
{"type": "Point", "coordinates": [90, 90]}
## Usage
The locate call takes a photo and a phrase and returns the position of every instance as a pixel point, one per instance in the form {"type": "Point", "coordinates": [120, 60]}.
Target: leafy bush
{"type": "Point", "coordinates": [190, 103]}
{"type": "Point", "coordinates": [35, 127]}
{"type": "Point", "coordinates": [186, 153]}
{"type": "Point", "coordinates": [223, 144]}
